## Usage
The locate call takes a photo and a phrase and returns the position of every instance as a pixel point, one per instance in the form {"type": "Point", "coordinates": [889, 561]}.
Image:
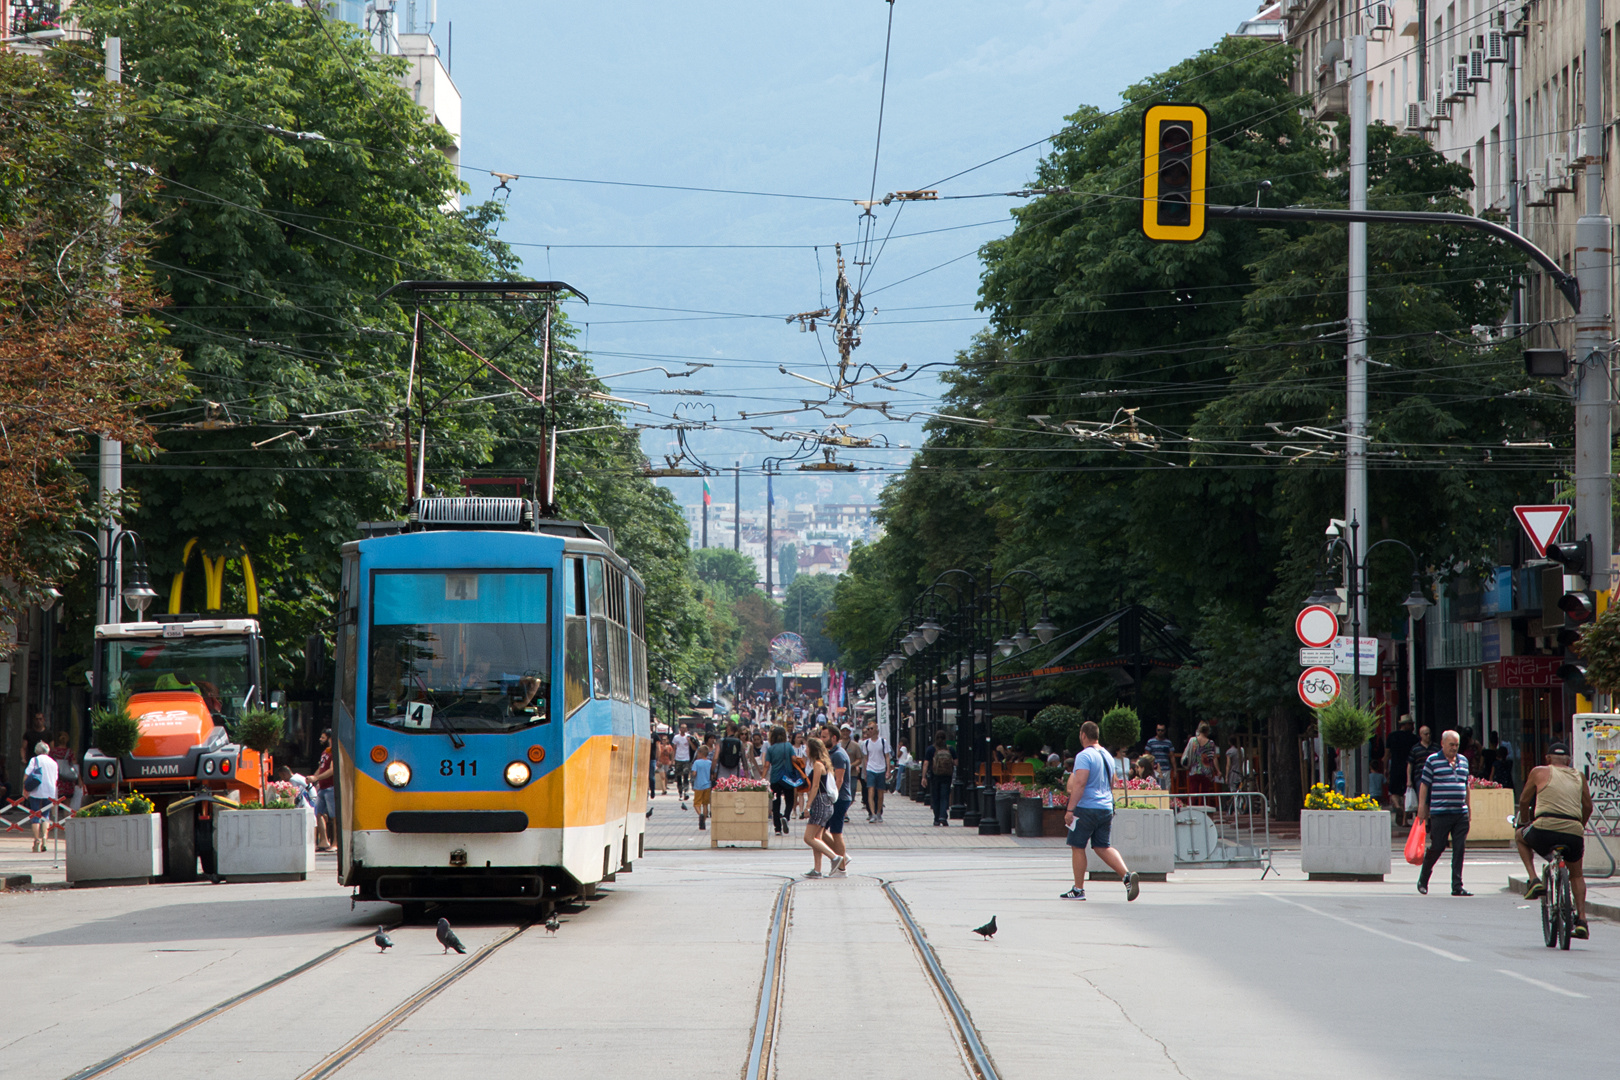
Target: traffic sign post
{"type": "Point", "coordinates": [1318, 687]}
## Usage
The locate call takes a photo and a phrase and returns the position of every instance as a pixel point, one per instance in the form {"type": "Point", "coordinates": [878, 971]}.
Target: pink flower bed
{"type": "Point", "coordinates": [741, 783]}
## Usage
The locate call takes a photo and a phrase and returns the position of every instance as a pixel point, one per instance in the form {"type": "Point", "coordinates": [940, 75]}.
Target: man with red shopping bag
{"type": "Point", "coordinates": [1443, 807]}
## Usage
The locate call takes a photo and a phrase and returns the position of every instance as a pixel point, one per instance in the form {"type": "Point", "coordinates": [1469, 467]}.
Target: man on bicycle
{"type": "Point", "coordinates": [1562, 805]}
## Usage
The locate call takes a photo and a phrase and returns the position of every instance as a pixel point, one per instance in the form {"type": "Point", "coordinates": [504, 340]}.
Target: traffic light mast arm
{"type": "Point", "coordinates": [1566, 282]}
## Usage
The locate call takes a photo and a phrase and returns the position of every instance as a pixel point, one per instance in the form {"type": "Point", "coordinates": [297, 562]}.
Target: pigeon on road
{"type": "Point", "coordinates": [988, 930]}
{"type": "Point", "coordinates": [447, 937]}
{"type": "Point", "coordinates": [382, 940]}
{"type": "Point", "coordinates": [552, 922]}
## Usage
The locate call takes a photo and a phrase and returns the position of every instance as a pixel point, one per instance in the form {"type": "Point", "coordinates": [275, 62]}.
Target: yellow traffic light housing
{"type": "Point", "coordinates": [1175, 171]}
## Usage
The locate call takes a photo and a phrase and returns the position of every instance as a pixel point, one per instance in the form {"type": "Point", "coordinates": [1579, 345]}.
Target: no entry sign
{"type": "Point", "coordinates": [1318, 687]}
{"type": "Point", "coordinates": [1316, 626]}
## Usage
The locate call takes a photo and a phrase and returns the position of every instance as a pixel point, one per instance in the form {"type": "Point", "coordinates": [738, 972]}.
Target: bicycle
{"type": "Point", "coordinates": [1557, 901]}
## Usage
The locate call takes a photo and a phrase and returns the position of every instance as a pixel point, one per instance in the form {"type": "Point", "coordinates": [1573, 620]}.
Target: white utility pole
{"type": "Point", "coordinates": [1594, 488]}
{"type": "Point", "coordinates": [112, 451]}
{"type": "Point", "coordinates": [1355, 407]}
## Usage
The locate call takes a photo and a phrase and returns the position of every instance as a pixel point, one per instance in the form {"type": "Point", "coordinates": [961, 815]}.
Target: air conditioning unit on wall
{"type": "Point", "coordinates": [1559, 179]}
{"type": "Point", "coordinates": [1535, 188]}
{"type": "Point", "coordinates": [1495, 47]}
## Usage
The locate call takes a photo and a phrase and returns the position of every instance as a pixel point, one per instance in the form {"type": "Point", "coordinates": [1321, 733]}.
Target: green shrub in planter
{"type": "Point", "coordinates": [115, 732]}
{"type": "Point", "coordinates": [1027, 742]}
{"type": "Point", "coordinates": [1121, 727]}
{"type": "Point", "coordinates": [1003, 728]}
{"type": "Point", "coordinates": [261, 730]}
{"type": "Point", "coordinates": [1345, 727]}
{"type": "Point", "coordinates": [1051, 776]}
{"type": "Point", "coordinates": [1055, 722]}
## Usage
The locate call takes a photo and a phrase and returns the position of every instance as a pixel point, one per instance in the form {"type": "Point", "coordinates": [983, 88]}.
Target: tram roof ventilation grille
{"type": "Point", "coordinates": [471, 510]}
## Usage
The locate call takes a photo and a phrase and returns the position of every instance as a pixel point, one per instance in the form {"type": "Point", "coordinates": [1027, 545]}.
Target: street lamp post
{"type": "Point", "coordinates": [977, 628]}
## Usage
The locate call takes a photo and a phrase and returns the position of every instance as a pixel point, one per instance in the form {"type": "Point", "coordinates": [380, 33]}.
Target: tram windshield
{"type": "Point", "coordinates": [460, 651]}
{"type": "Point", "coordinates": [216, 667]}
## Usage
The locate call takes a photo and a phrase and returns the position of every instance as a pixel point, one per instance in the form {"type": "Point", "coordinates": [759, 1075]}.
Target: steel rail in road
{"type": "Point", "coordinates": [959, 1014]}
{"type": "Point", "coordinates": [770, 990]}
{"type": "Point", "coordinates": [369, 1037]}
{"type": "Point", "coordinates": [124, 1057]}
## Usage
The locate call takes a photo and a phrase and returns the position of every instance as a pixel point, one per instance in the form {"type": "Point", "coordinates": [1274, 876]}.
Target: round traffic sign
{"type": "Point", "coordinates": [1317, 626]}
{"type": "Point", "coordinates": [1318, 687]}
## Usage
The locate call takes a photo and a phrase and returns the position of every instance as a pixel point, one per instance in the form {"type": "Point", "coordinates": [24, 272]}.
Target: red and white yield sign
{"type": "Point", "coordinates": [1317, 626]}
{"type": "Point", "coordinates": [1542, 524]}
{"type": "Point", "coordinates": [1318, 687]}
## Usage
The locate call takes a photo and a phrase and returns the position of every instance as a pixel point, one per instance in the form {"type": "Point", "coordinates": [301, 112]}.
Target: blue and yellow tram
{"type": "Point", "coordinates": [491, 721]}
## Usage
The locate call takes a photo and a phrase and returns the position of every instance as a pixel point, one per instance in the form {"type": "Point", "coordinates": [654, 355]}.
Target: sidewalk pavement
{"type": "Point", "coordinates": [21, 868]}
{"type": "Point", "coordinates": [906, 825]}
{"type": "Point", "coordinates": [1602, 895]}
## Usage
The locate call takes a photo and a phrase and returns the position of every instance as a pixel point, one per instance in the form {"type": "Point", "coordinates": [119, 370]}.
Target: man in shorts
{"type": "Point", "coordinates": [844, 777]}
{"type": "Point", "coordinates": [1562, 806]}
{"type": "Point", "coordinates": [1090, 816]}
{"type": "Point", "coordinates": [683, 744]}
{"type": "Point", "coordinates": [702, 785]}
{"type": "Point", "coordinates": [878, 762]}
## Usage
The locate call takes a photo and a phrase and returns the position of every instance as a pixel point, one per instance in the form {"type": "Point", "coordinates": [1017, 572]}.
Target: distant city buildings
{"type": "Point", "coordinates": [821, 534]}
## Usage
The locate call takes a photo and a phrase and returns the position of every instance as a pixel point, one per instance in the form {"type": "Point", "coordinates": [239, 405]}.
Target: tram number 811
{"type": "Point", "coordinates": [453, 768]}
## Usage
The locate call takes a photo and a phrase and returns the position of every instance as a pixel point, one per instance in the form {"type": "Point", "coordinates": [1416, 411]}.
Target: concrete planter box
{"type": "Point", "coordinates": [740, 816]}
{"type": "Point", "coordinates": [1145, 839]}
{"type": "Point", "coordinates": [123, 850]}
{"type": "Point", "coordinates": [1160, 799]}
{"type": "Point", "coordinates": [1344, 845]}
{"type": "Point", "coordinates": [265, 845]}
{"type": "Point", "coordinates": [1488, 810]}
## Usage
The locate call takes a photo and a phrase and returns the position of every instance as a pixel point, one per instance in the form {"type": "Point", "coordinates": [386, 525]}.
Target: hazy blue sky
{"type": "Point", "coordinates": [782, 98]}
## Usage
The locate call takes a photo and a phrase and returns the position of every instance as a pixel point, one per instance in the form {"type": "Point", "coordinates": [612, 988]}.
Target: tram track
{"type": "Point", "coordinates": [345, 1054]}
{"type": "Point", "coordinates": [770, 1014]}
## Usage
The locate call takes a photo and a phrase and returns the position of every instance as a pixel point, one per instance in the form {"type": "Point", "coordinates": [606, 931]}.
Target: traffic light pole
{"type": "Point", "coordinates": [1568, 284]}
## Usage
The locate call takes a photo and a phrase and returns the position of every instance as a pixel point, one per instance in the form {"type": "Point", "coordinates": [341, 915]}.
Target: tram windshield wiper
{"type": "Point", "coordinates": [451, 730]}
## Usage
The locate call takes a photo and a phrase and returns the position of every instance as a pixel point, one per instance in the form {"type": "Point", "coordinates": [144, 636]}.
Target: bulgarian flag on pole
{"type": "Point", "coordinates": [707, 496]}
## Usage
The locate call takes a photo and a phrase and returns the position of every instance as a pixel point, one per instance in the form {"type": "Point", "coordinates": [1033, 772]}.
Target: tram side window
{"type": "Point", "coordinates": [619, 646]}
{"type": "Point", "coordinates": [576, 644]}
{"type": "Point", "coordinates": [348, 634]}
{"type": "Point", "coordinates": [601, 663]}
{"type": "Point", "coordinates": [638, 645]}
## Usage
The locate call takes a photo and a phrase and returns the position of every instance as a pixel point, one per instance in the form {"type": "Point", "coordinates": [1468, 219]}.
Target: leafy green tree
{"type": "Point", "coordinates": [296, 182]}
{"type": "Point", "coordinates": [804, 609]}
{"type": "Point", "coordinates": [723, 566]}
{"type": "Point", "coordinates": [81, 354]}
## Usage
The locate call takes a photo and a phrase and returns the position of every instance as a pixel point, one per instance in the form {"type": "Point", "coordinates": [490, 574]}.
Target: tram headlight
{"type": "Point", "coordinates": [398, 773]}
{"type": "Point", "coordinates": [517, 774]}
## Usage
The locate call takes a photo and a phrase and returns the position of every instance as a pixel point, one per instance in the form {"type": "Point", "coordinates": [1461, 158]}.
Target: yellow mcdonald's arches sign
{"type": "Point", "coordinates": [213, 580]}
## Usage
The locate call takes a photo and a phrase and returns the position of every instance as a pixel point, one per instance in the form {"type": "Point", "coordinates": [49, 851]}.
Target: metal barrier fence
{"type": "Point", "coordinates": [16, 817]}
{"type": "Point", "coordinates": [1223, 829]}
{"type": "Point", "coordinates": [1605, 823]}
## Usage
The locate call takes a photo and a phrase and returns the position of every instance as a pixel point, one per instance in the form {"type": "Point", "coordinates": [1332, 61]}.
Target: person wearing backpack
{"type": "Point", "coordinates": [39, 782]}
{"type": "Point", "coordinates": [941, 767]}
{"type": "Point", "coordinates": [875, 749]}
{"type": "Point", "coordinates": [729, 761]}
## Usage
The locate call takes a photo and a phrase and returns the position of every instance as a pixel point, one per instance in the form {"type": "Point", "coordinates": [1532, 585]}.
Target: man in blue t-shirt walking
{"type": "Point", "coordinates": [1091, 815]}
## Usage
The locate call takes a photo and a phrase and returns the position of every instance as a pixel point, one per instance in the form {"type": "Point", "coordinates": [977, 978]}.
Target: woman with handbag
{"type": "Point", "coordinates": [785, 779]}
{"type": "Point", "coordinates": [39, 782]}
{"type": "Point", "coordinates": [821, 806]}
{"type": "Point", "coordinates": [1202, 759]}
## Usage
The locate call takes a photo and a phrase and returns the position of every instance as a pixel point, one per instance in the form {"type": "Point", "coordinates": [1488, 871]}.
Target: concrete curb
{"type": "Point", "coordinates": [15, 881]}
{"type": "Point", "coordinates": [1603, 909]}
